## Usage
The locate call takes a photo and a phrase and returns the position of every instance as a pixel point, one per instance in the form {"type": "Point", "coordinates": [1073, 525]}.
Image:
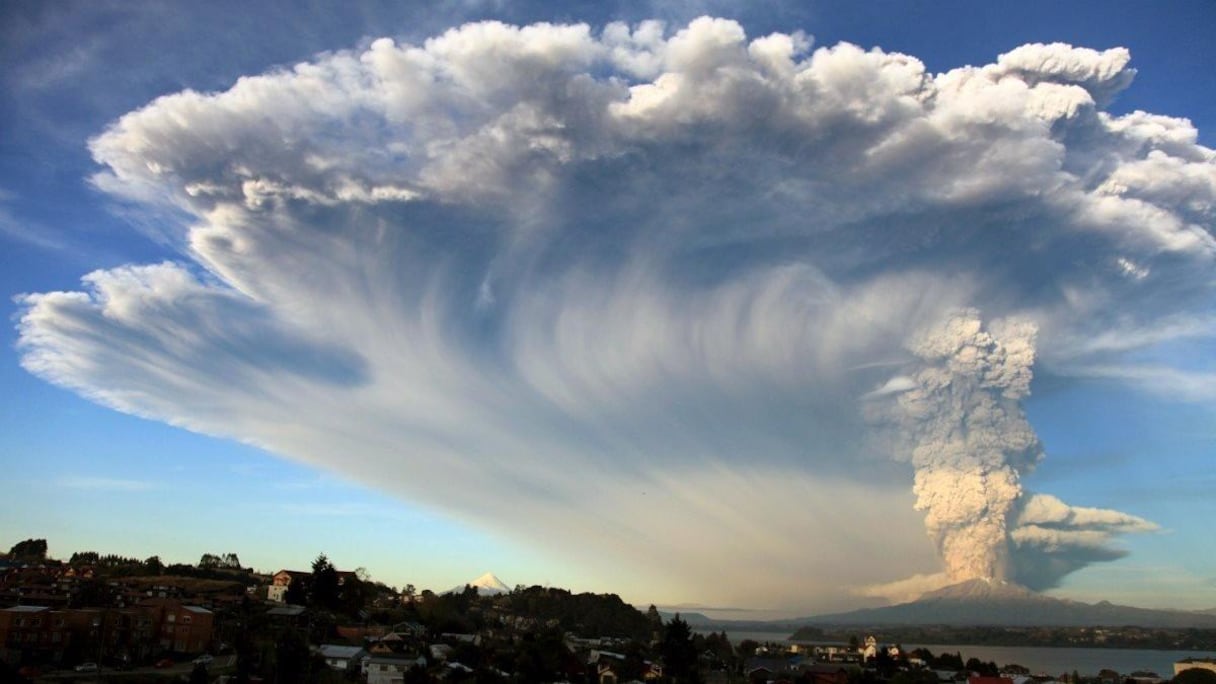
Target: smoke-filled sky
{"type": "Point", "coordinates": [791, 310]}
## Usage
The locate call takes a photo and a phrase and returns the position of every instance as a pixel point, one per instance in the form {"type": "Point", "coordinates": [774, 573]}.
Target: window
{"type": "Point", "coordinates": [185, 619]}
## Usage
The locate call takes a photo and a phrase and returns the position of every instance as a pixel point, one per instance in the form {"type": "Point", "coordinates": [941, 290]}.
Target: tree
{"type": "Point", "coordinates": [154, 566]}
{"type": "Point", "coordinates": [209, 561]}
{"type": "Point", "coordinates": [1195, 675]}
{"type": "Point", "coordinates": [297, 593]}
{"type": "Point", "coordinates": [679, 654]}
{"type": "Point", "coordinates": [29, 550]}
{"type": "Point", "coordinates": [652, 614]}
{"type": "Point", "coordinates": [323, 587]}
{"type": "Point", "coordinates": [719, 643]}
{"type": "Point", "coordinates": [355, 595]}
{"type": "Point", "coordinates": [656, 622]}
{"type": "Point", "coordinates": [410, 594]}
{"type": "Point", "coordinates": [291, 661]}
{"type": "Point", "coordinates": [884, 663]}
{"type": "Point", "coordinates": [230, 561]}
{"type": "Point", "coordinates": [538, 656]}
{"type": "Point", "coordinates": [982, 668]}
{"type": "Point", "coordinates": [949, 661]}
{"type": "Point", "coordinates": [84, 558]}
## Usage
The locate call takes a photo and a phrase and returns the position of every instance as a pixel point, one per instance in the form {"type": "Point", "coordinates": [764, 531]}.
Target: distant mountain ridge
{"type": "Point", "coordinates": [1005, 604]}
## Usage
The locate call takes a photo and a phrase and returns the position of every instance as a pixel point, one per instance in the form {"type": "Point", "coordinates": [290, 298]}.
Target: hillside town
{"type": "Point", "coordinates": [133, 620]}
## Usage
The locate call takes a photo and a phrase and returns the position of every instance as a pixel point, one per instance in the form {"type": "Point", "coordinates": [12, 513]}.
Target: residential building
{"type": "Point", "coordinates": [342, 658]}
{"type": "Point", "coordinates": [131, 634]}
{"type": "Point", "coordinates": [822, 673]}
{"type": "Point", "coordinates": [277, 591]}
{"type": "Point", "coordinates": [390, 669]}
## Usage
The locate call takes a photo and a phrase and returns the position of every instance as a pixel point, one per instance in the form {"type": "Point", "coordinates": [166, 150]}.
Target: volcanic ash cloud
{"type": "Point", "coordinates": [645, 294]}
{"type": "Point", "coordinates": [957, 419]}
{"type": "Point", "coordinates": [960, 425]}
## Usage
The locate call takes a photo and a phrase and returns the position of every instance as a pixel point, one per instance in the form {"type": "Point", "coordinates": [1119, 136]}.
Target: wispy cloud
{"type": "Point", "coordinates": [348, 509]}
{"type": "Point", "coordinates": [1195, 386]}
{"type": "Point", "coordinates": [28, 232]}
{"type": "Point", "coordinates": [107, 484]}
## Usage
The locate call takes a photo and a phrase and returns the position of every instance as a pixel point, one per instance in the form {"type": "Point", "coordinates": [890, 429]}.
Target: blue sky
{"type": "Point", "coordinates": [505, 445]}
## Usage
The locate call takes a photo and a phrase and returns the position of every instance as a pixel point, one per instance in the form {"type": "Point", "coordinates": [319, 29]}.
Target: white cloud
{"type": "Point", "coordinates": [624, 291]}
{"type": "Point", "coordinates": [1043, 511]}
{"type": "Point", "coordinates": [895, 385]}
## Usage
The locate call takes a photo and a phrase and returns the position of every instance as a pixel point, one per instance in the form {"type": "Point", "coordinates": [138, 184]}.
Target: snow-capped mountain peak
{"type": "Point", "coordinates": [486, 585]}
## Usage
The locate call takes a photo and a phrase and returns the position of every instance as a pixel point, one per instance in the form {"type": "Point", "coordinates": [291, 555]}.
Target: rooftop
{"type": "Point", "coordinates": [338, 651]}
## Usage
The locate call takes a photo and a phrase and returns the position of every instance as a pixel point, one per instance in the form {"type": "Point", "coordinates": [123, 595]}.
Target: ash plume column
{"type": "Point", "coordinates": [957, 419]}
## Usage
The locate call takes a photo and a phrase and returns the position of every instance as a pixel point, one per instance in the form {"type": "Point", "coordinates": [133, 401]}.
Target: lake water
{"type": "Point", "coordinates": [1042, 660]}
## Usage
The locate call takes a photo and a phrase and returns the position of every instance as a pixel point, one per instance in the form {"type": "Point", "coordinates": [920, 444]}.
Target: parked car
{"type": "Point", "coordinates": [204, 659]}
{"type": "Point", "coordinates": [164, 662]}
{"type": "Point", "coordinates": [87, 667]}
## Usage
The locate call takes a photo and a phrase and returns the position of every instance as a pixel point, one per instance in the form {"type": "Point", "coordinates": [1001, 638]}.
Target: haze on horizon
{"type": "Point", "coordinates": [738, 318]}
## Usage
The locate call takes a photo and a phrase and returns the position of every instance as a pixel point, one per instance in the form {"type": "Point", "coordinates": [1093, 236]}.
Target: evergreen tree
{"type": "Point", "coordinates": [84, 558]}
{"type": "Point", "coordinates": [656, 623]}
{"type": "Point", "coordinates": [323, 587]}
{"type": "Point", "coordinates": [679, 654]}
